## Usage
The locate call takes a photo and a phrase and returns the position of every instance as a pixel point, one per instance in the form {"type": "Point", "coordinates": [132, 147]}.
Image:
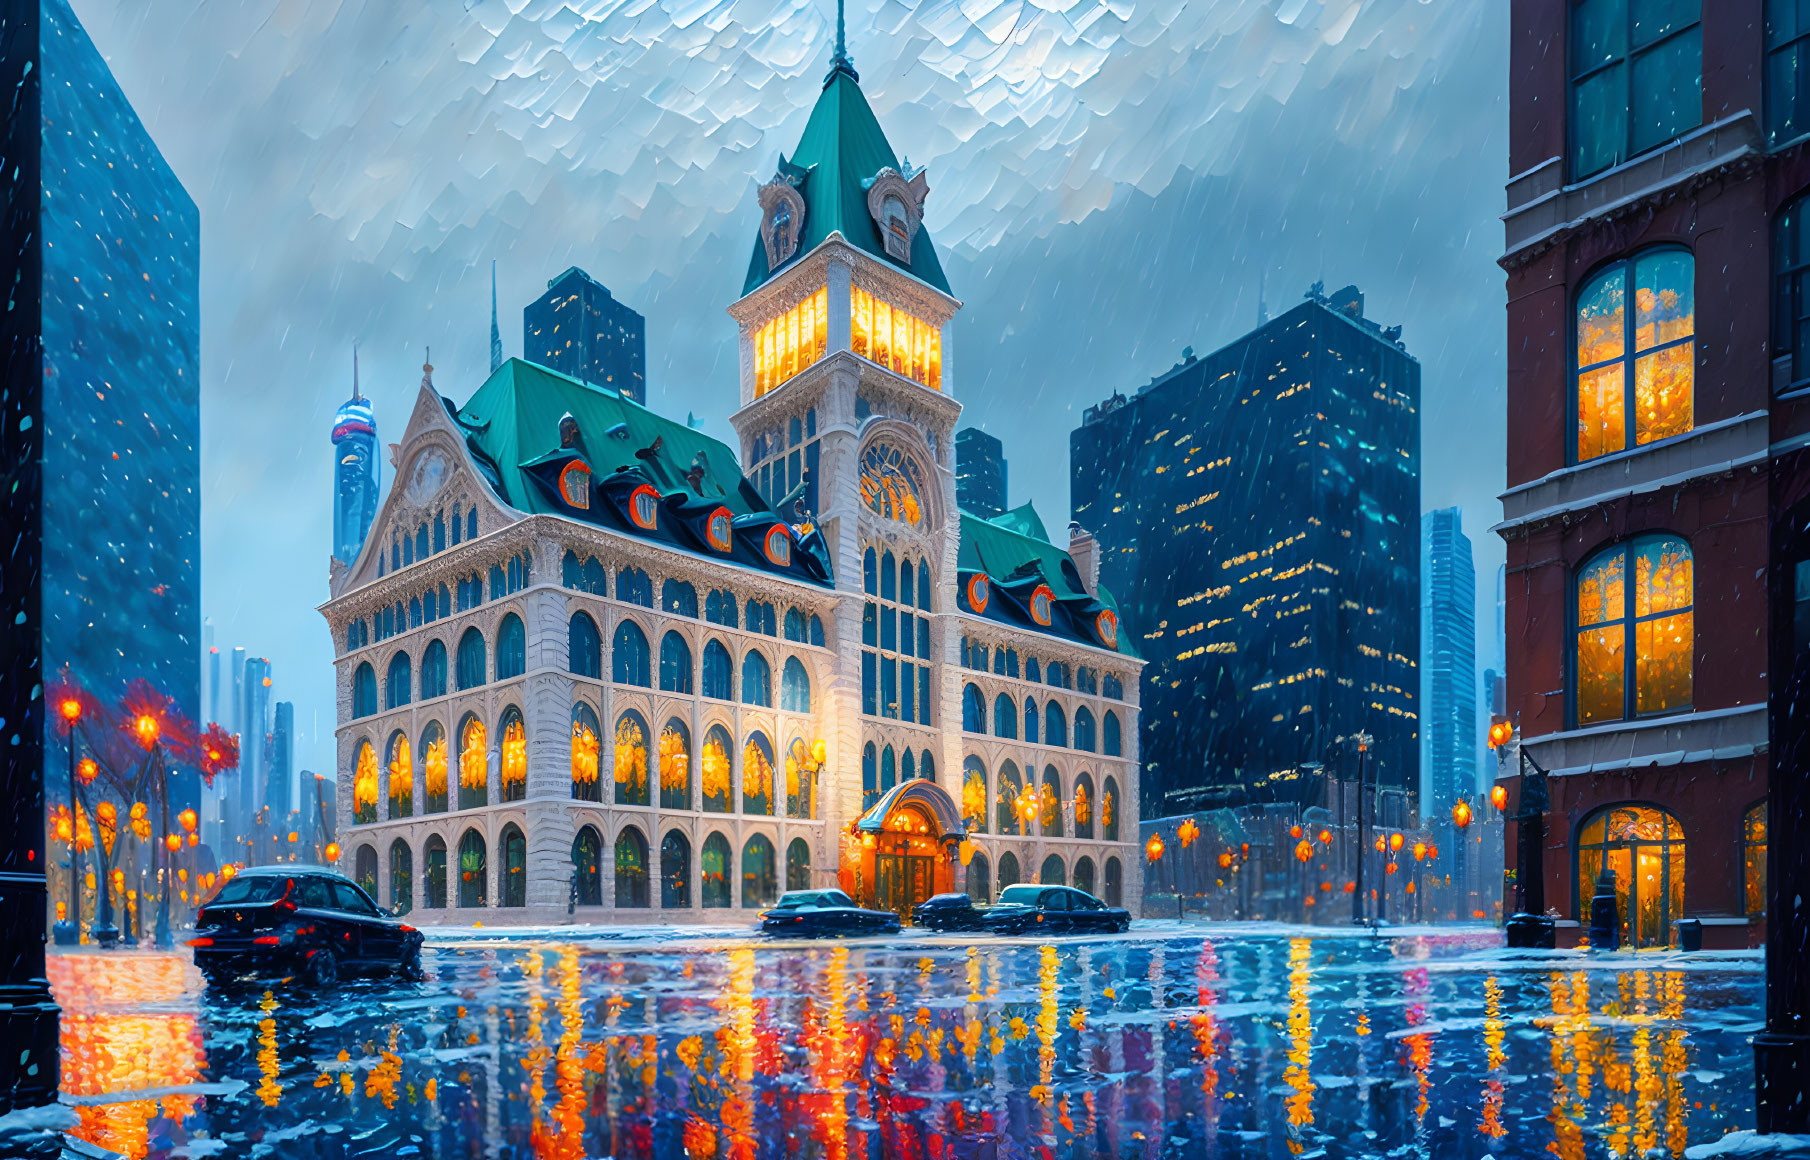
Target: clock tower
{"type": "Point", "coordinates": [846, 421]}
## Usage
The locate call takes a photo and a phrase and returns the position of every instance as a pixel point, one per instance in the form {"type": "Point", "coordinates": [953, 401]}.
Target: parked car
{"type": "Point", "coordinates": [302, 921]}
{"type": "Point", "coordinates": [810, 913]}
{"type": "Point", "coordinates": [947, 912]}
{"type": "Point", "coordinates": [1026, 908]}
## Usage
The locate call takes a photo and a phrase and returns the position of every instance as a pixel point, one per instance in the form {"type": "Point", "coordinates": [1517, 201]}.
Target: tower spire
{"type": "Point", "coordinates": [355, 395]}
{"type": "Point", "coordinates": [841, 63]}
{"type": "Point", "coordinates": [496, 336]}
{"type": "Point", "coordinates": [427, 370]}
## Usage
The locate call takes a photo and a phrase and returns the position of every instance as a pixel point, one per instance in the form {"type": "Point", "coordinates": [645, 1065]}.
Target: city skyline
{"type": "Point", "coordinates": [281, 321]}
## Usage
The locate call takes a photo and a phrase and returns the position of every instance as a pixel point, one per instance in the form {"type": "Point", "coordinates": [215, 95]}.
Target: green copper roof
{"type": "Point", "coordinates": [842, 147]}
{"type": "Point", "coordinates": [1009, 544]}
{"type": "Point", "coordinates": [1023, 520]}
{"type": "Point", "coordinates": [513, 420]}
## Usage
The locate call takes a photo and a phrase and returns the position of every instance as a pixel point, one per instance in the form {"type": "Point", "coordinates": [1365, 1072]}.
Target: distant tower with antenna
{"type": "Point", "coordinates": [356, 472]}
{"type": "Point", "coordinates": [496, 336]}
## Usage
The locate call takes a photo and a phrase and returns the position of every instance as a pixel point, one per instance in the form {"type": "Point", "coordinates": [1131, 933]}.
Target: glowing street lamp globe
{"type": "Point", "coordinates": [1498, 797]}
{"type": "Point", "coordinates": [1153, 849]}
{"type": "Point", "coordinates": [1461, 814]}
{"type": "Point", "coordinates": [145, 729]}
{"type": "Point", "coordinates": [331, 853]}
{"type": "Point", "coordinates": [71, 709]}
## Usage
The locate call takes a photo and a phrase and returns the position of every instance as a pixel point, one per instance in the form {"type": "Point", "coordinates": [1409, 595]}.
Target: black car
{"type": "Point", "coordinates": [825, 912]}
{"type": "Point", "coordinates": [1028, 909]}
{"type": "Point", "coordinates": [947, 912]}
{"type": "Point", "coordinates": [303, 921]}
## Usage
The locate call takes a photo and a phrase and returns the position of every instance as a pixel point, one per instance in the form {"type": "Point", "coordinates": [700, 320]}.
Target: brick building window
{"type": "Point", "coordinates": [1636, 353]}
{"type": "Point", "coordinates": [1636, 78]}
{"type": "Point", "coordinates": [1644, 848]}
{"type": "Point", "coordinates": [1753, 858]}
{"type": "Point", "coordinates": [1635, 641]}
{"type": "Point", "coordinates": [1787, 70]}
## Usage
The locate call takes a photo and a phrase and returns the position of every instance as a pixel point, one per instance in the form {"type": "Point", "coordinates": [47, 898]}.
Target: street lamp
{"type": "Point", "coordinates": [1357, 896]}
{"type": "Point", "coordinates": [68, 932]}
{"type": "Point", "coordinates": [148, 731]}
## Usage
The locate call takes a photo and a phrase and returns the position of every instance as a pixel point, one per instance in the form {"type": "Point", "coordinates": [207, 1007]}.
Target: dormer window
{"type": "Point", "coordinates": [1106, 624]}
{"type": "Point", "coordinates": [644, 507]}
{"type": "Point", "coordinates": [575, 484]}
{"type": "Point", "coordinates": [1042, 601]}
{"type": "Point", "coordinates": [717, 530]}
{"type": "Point", "coordinates": [896, 228]}
{"type": "Point", "coordinates": [779, 546]}
{"type": "Point", "coordinates": [979, 592]}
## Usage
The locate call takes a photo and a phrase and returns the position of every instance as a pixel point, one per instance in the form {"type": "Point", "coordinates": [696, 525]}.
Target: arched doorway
{"type": "Point", "coordinates": [1644, 847]}
{"type": "Point", "coordinates": [903, 848]}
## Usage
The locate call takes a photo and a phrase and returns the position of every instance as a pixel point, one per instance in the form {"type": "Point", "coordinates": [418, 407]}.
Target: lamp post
{"type": "Point", "coordinates": [68, 931]}
{"type": "Point", "coordinates": [1363, 844]}
{"type": "Point", "coordinates": [149, 732]}
{"type": "Point", "coordinates": [1530, 926]}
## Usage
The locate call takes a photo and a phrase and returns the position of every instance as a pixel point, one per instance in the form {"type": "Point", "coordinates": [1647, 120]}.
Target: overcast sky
{"type": "Point", "coordinates": [1111, 180]}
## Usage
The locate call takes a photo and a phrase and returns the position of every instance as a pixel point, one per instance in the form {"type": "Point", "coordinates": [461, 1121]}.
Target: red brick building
{"type": "Point", "coordinates": [1658, 262]}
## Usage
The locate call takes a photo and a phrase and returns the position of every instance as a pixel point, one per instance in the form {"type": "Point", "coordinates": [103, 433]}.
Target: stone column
{"type": "Point", "coordinates": [547, 695]}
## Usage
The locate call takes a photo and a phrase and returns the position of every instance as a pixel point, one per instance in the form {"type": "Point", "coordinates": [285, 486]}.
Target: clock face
{"type": "Point", "coordinates": [428, 474]}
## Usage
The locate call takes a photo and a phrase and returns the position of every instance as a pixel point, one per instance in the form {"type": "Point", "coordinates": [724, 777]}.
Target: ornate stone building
{"type": "Point", "coordinates": [587, 664]}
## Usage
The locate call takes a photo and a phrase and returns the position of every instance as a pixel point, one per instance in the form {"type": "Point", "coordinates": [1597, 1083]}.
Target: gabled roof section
{"type": "Point", "coordinates": [842, 147]}
{"type": "Point", "coordinates": [1014, 553]}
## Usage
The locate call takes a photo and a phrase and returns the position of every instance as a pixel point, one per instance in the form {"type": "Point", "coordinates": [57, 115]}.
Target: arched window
{"type": "Point", "coordinates": [365, 790]}
{"type": "Point", "coordinates": [633, 587]}
{"type": "Point", "coordinates": [1111, 686]}
{"type": "Point", "coordinates": [1109, 810]}
{"type": "Point", "coordinates": [1084, 875]}
{"type": "Point", "coordinates": [675, 664]}
{"type": "Point", "coordinates": [1753, 859]}
{"type": "Point", "coordinates": [798, 865]}
{"type": "Point", "coordinates": [512, 755]}
{"type": "Point", "coordinates": [474, 763]}
{"type": "Point", "coordinates": [924, 592]}
{"type": "Point", "coordinates": [795, 629]}
{"type": "Point", "coordinates": [801, 781]}
{"type": "Point", "coordinates": [980, 886]}
{"type": "Point", "coordinates": [1052, 873]}
{"type": "Point", "coordinates": [511, 648]}
{"type": "Point", "coordinates": [794, 687]}
{"type": "Point", "coordinates": [675, 871]}
{"type": "Point", "coordinates": [587, 866]}
{"type": "Point", "coordinates": [1031, 672]}
{"type": "Point", "coordinates": [675, 766]}
{"type": "Point", "coordinates": [1049, 803]}
{"type": "Point", "coordinates": [1030, 719]}
{"type": "Point", "coordinates": [1635, 352]}
{"type": "Point", "coordinates": [513, 888]}
{"type": "Point", "coordinates": [817, 631]}
{"type": "Point", "coordinates": [471, 659]}
{"type": "Point", "coordinates": [717, 781]}
{"type": "Point", "coordinates": [974, 794]}
{"type": "Point", "coordinates": [889, 770]}
{"type": "Point", "coordinates": [629, 664]}
{"type": "Point", "coordinates": [433, 670]}
{"type": "Point", "coordinates": [592, 578]}
{"type": "Point", "coordinates": [1005, 716]}
{"type": "Point", "coordinates": [1635, 641]}
{"type": "Point", "coordinates": [907, 765]}
{"type": "Point", "coordinates": [631, 760]}
{"type": "Point", "coordinates": [473, 870]}
{"type": "Point", "coordinates": [401, 765]}
{"type": "Point", "coordinates": [433, 769]}
{"type": "Point", "coordinates": [870, 777]}
{"type": "Point", "coordinates": [760, 880]}
{"type": "Point", "coordinates": [714, 869]}
{"type": "Point", "coordinates": [1115, 883]}
{"type": "Point", "coordinates": [1008, 870]}
{"type": "Point", "coordinates": [584, 646]}
{"type": "Point", "coordinates": [1644, 847]}
{"type": "Point", "coordinates": [1055, 725]}
{"type": "Point", "coordinates": [364, 690]}
{"type": "Point", "coordinates": [757, 775]}
{"type": "Point", "coordinates": [1008, 796]}
{"type": "Point", "coordinates": [1055, 674]}
{"type": "Point", "coordinates": [761, 618]}
{"type": "Point", "coordinates": [719, 671]}
{"type": "Point", "coordinates": [1114, 744]}
{"type": "Point", "coordinates": [720, 608]}
{"type": "Point", "coordinates": [631, 869]}
{"type": "Point", "coordinates": [757, 680]}
{"type": "Point", "coordinates": [397, 684]}
{"type": "Point", "coordinates": [974, 710]}
{"type": "Point", "coordinates": [679, 598]}
{"type": "Point", "coordinates": [1084, 806]}
{"type": "Point", "coordinates": [433, 857]}
{"type": "Point", "coordinates": [927, 767]}
{"type": "Point", "coordinates": [364, 871]}
{"type": "Point", "coordinates": [1791, 290]}
{"type": "Point", "coordinates": [1084, 729]}
{"type": "Point", "coordinates": [587, 744]}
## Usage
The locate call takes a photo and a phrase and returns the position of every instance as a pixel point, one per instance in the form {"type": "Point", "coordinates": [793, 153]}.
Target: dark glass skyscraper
{"type": "Point", "coordinates": [99, 428]}
{"type": "Point", "coordinates": [577, 329]}
{"type": "Point", "coordinates": [356, 472]}
{"type": "Point", "coordinates": [1448, 660]}
{"type": "Point", "coordinates": [980, 473]}
{"type": "Point", "coordinates": [1258, 512]}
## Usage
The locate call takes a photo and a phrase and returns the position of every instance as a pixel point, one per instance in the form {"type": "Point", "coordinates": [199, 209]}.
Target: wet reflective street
{"type": "Point", "coordinates": [1169, 1041]}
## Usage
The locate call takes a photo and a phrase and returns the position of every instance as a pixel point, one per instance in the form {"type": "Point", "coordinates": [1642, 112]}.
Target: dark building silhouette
{"type": "Point", "coordinates": [577, 329]}
{"type": "Point", "coordinates": [980, 473]}
{"type": "Point", "coordinates": [279, 786]}
{"type": "Point", "coordinates": [1258, 514]}
{"type": "Point", "coordinates": [99, 429]}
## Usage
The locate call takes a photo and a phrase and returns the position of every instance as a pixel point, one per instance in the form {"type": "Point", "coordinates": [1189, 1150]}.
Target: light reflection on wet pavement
{"type": "Point", "coordinates": [1169, 1041]}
